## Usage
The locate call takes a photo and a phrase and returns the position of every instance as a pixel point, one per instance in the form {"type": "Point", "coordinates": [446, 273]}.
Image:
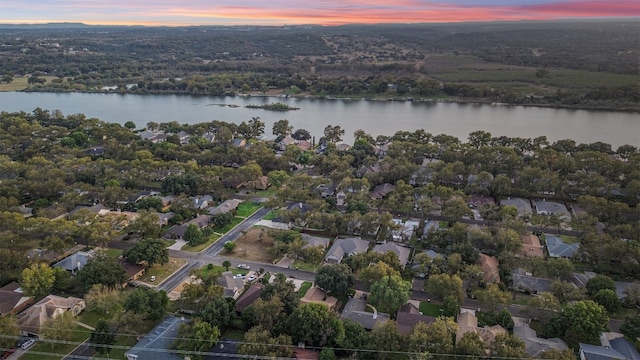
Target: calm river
{"type": "Point", "coordinates": [375, 117]}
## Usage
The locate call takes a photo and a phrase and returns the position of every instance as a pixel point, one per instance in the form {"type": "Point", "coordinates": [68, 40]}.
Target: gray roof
{"type": "Point", "coordinates": [75, 261]}
{"type": "Point", "coordinates": [176, 231]}
{"type": "Point", "coordinates": [557, 248]}
{"type": "Point", "coordinates": [313, 241]}
{"type": "Point", "coordinates": [354, 311]}
{"type": "Point", "coordinates": [622, 286]}
{"type": "Point", "coordinates": [551, 207]}
{"type": "Point", "coordinates": [225, 207]}
{"type": "Point", "coordinates": [402, 252]}
{"type": "Point", "coordinates": [595, 352]}
{"type": "Point", "coordinates": [626, 348]}
{"type": "Point", "coordinates": [157, 343]}
{"type": "Point", "coordinates": [523, 205]}
{"type": "Point", "coordinates": [535, 345]}
{"type": "Point", "coordinates": [230, 285]}
{"type": "Point", "coordinates": [525, 282]}
{"type": "Point", "coordinates": [346, 247]}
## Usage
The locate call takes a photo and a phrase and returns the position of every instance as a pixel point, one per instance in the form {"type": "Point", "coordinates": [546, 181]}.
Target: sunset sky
{"type": "Point", "coordinates": [324, 12]}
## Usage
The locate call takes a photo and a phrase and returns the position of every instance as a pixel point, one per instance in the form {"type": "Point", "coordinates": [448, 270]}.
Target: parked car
{"type": "Point", "coordinates": [27, 344]}
{"type": "Point", "coordinates": [244, 267]}
{"type": "Point", "coordinates": [153, 278]}
{"type": "Point", "coordinates": [251, 278]}
{"type": "Point", "coordinates": [7, 353]}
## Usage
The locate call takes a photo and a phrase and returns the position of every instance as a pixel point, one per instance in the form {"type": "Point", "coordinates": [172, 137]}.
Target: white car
{"type": "Point", "coordinates": [27, 344]}
{"type": "Point", "coordinates": [251, 278]}
{"type": "Point", "coordinates": [244, 267]}
{"type": "Point", "coordinates": [153, 278]}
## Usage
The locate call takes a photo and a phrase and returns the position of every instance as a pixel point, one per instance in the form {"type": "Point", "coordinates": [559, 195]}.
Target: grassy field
{"type": "Point", "coordinates": [273, 214]}
{"type": "Point", "coordinates": [161, 272]}
{"type": "Point", "coordinates": [21, 83]}
{"type": "Point", "coordinates": [430, 309]}
{"type": "Point", "coordinates": [246, 208]}
{"type": "Point", "coordinates": [205, 271]}
{"type": "Point", "coordinates": [254, 245]}
{"type": "Point", "coordinates": [306, 266]}
{"type": "Point", "coordinates": [213, 238]}
{"type": "Point", "coordinates": [224, 230]}
{"type": "Point", "coordinates": [304, 287]}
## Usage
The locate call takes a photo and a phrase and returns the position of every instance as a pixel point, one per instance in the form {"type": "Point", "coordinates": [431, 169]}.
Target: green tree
{"type": "Point", "coordinates": [60, 328]}
{"type": "Point", "coordinates": [277, 178]}
{"type": "Point", "coordinates": [193, 235]}
{"type": "Point", "coordinates": [608, 299]}
{"type": "Point", "coordinates": [327, 354]}
{"type": "Point", "coordinates": [102, 270]}
{"type": "Point", "coordinates": [130, 125]}
{"type": "Point", "coordinates": [384, 340]}
{"type": "Point", "coordinates": [436, 338]}
{"type": "Point", "coordinates": [443, 285]}
{"type": "Point", "coordinates": [390, 293]}
{"type": "Point", "coordinates": [226, 264]}
{"type": "Point", "coordinates": [281, 129]}
{"type": "Point", "coordinates": [585, 320]}
{"type": "Point", "coordinates": [493, 297]}
{"type": "Point", "coordinates": [9, 331]}
{"type": "Point", "coordinates": [376, 272]}
{"type": "Point", "coordinates": [102, 337]}
{"type": "Point", "coordinates": [631, 327]}
{"type": "Point", "coordinates": [152, 251]}
{"type": "Point", "coordinates": [258, 341]}
{"type": "Point", "coordinates": [335, 279]}
{"type": "Point", "coordinates": [196, 336]}
{"type": "Point", "coordinates": [102, 299]}
{"type": "Point", "coordinates": [150, 202]}
{"type": "Point", "coordinates": [265, 314]}
{"type": "Point", "coordinates": [301, 135]}
{"type": "Point", "coordinates": [37, 280]}
{"type": "Point", "coordinates": [450, 306]}
{"type": "Point", "coordinates": [508, 346]}
{"type": "Point", "coordinates": [315, 325]}
{"type": "Point", "coordinates": [147, 302]}
{"type": "Point", "coordinates": [554, 354]}
{"type": "Point", "coordinates": [217, 311]}
{"type": "Point", "coordinates": [565, 291]}
{"type": "Point", "coordinates": [472, 345]}
{"type": "Point", "coordinates": [229, 246]}
{"type": "Point", "coordinates": [284, 290]}
{"type": "Point", "coordinates": [599, 282]}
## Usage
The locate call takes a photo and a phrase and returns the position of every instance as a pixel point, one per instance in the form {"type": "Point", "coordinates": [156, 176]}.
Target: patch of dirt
{"type": "Point", "coordinates": [255, 245]}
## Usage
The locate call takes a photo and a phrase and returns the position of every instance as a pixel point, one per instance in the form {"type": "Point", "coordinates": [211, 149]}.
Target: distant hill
{"type": "Point", "coordinates": [62, 25]}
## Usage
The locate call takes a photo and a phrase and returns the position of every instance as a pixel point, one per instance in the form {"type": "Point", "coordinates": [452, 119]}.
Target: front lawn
{"type": "Point", "coordinates": [304, 287]}
{"type": "Point", "coordinates": [272, 215]}
{"type": "Point", "coordinates": [430, 309]}
{"type": "Point", "coordinates": [246, 208]}
{"type": "Point", "coordinates": [224, 230]}
{"type": "Point", "coordinates": [162, 272]}
{"type": "Point", "coordinates": [306, 266]}
{"type": "Point", "coordinates": [213, 238]}
{"type": "Point", "coordinates": [213, 269]}
{"type": "Point", "coordinates": [57, 351]}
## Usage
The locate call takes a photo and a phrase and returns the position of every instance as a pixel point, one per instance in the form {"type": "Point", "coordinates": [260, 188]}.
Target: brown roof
{"type": "Point", "coordinates": [468, 322]}
{"type": "Point", "coordinates": [409, 316]}
{"type": "Point", "coordinates": [317, 295]}
{"type": "Point", "coordinates": [489, 266]}
{"type": "Point", "coordinates": [531, 246]}
{"type": "Point", "coordinates": [33, 318]}
{"type": "Point", "coordinates": [306, 354]}
{"type": "Point", "coordinates": [248, 297]}
{"type": "Point", "coordinates": [12, 301]}
{"type": "Point", "coordinates": [132, 269]}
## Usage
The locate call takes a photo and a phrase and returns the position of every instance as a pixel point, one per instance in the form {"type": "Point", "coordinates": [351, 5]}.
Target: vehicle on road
{"type": "Point", "coordinates": [244, 267]}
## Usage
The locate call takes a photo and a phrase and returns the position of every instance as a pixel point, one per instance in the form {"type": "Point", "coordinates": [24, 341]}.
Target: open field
{"type": "Point", "coordinates": [255, 245]}
{"type": "Point", "coordinates": [247, 208]}
{"type": "Point", "coordinates": [161, 272]}
{"type": "Point", "coordinates": [21, 83]}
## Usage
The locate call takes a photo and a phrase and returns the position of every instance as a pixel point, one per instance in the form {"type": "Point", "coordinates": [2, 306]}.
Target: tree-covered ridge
{"type": "Point", "coordinates": [568, 64]}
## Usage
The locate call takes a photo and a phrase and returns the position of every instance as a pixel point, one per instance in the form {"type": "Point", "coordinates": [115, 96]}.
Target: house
{"type": "Point", "coordinates": [595, 352]}
{"type": "Point", "coordinates": [341, 197]}
{"type": "Point", "coordinates": [167, 200]}
{"type": "Point", "coordinates": [305, 354]}
{"type": "Point", "coordinates": [468, 322]}
{"type": "Point", "coordinates": [248, 297]}
{"type": "Point", "coordinates": [33, 318]}
{"type": "Point", "coordinates": [175, 232]}
{"type": "Point", "coordinates": [315, 295]}
{"type": "Point", "coordinates": [12, 300]}
{"type": "Point", "coordinates": [623, 346]}
{"type": "Point", "coordinates": [523, 281]}
{"type": "Point", "coordinates": [134, 271]}
{"type": "Point", "coordinates": [622, 287]}
{"type": "Point", "coordinates": [343, 146]}
{"type": "Point", "coordinates": [401, 251]}
{"type": "Point", "coordinates": [314, 241]}
{"type": "Point", "coordinates": [531, 246]}
{"type": "Point", "coordinates": [225, 207]}
{"type": "Point", "coordinates": [489, 266]}
{"type": "Point", "coordinates": [202, 202]}
{"type": "Point", "coordinates": [369, 170]}
{"type": "Point", "coordinates": [75, 261]}
{"type": "Point", "coordinates": [544, 207]}
{"type": "Point", "coordinates": [156, 344]}
{"type": "Point", "coordinates": [301, 207]}
{"type": "Point", "coordinates": [354, 311]}
{"type": "Point", "coordinates": [163, 218]}
{"type": "Point", "coordinates": [184, 137]}
{"type": "Point", "coordinates": [406, 229]}
{"type": "Point", "coordinates": [558, 249]}
{"type": "Point", "coordinates": [232, 287]}
{"type": "Point", "coordinates": [380, 191]}
{"type": "Point", "coordinates": [409, 316]}
{"type": "Point", "coordinates": [239, 142]}
{"type": "Point", "coordinates": [536, 346]}
{"type": "Point", "coordinates": [522, 205]}
{"type": "Point", "coordinates": [146, 134]}
{"type": "Point", "coordinates": [345, 247]}
{"type": "Point", "coordinates": [200, 221]}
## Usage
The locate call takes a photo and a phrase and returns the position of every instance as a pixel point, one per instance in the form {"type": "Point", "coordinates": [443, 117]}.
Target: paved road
{"type": "Point", "coordinates": [208, 255]}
